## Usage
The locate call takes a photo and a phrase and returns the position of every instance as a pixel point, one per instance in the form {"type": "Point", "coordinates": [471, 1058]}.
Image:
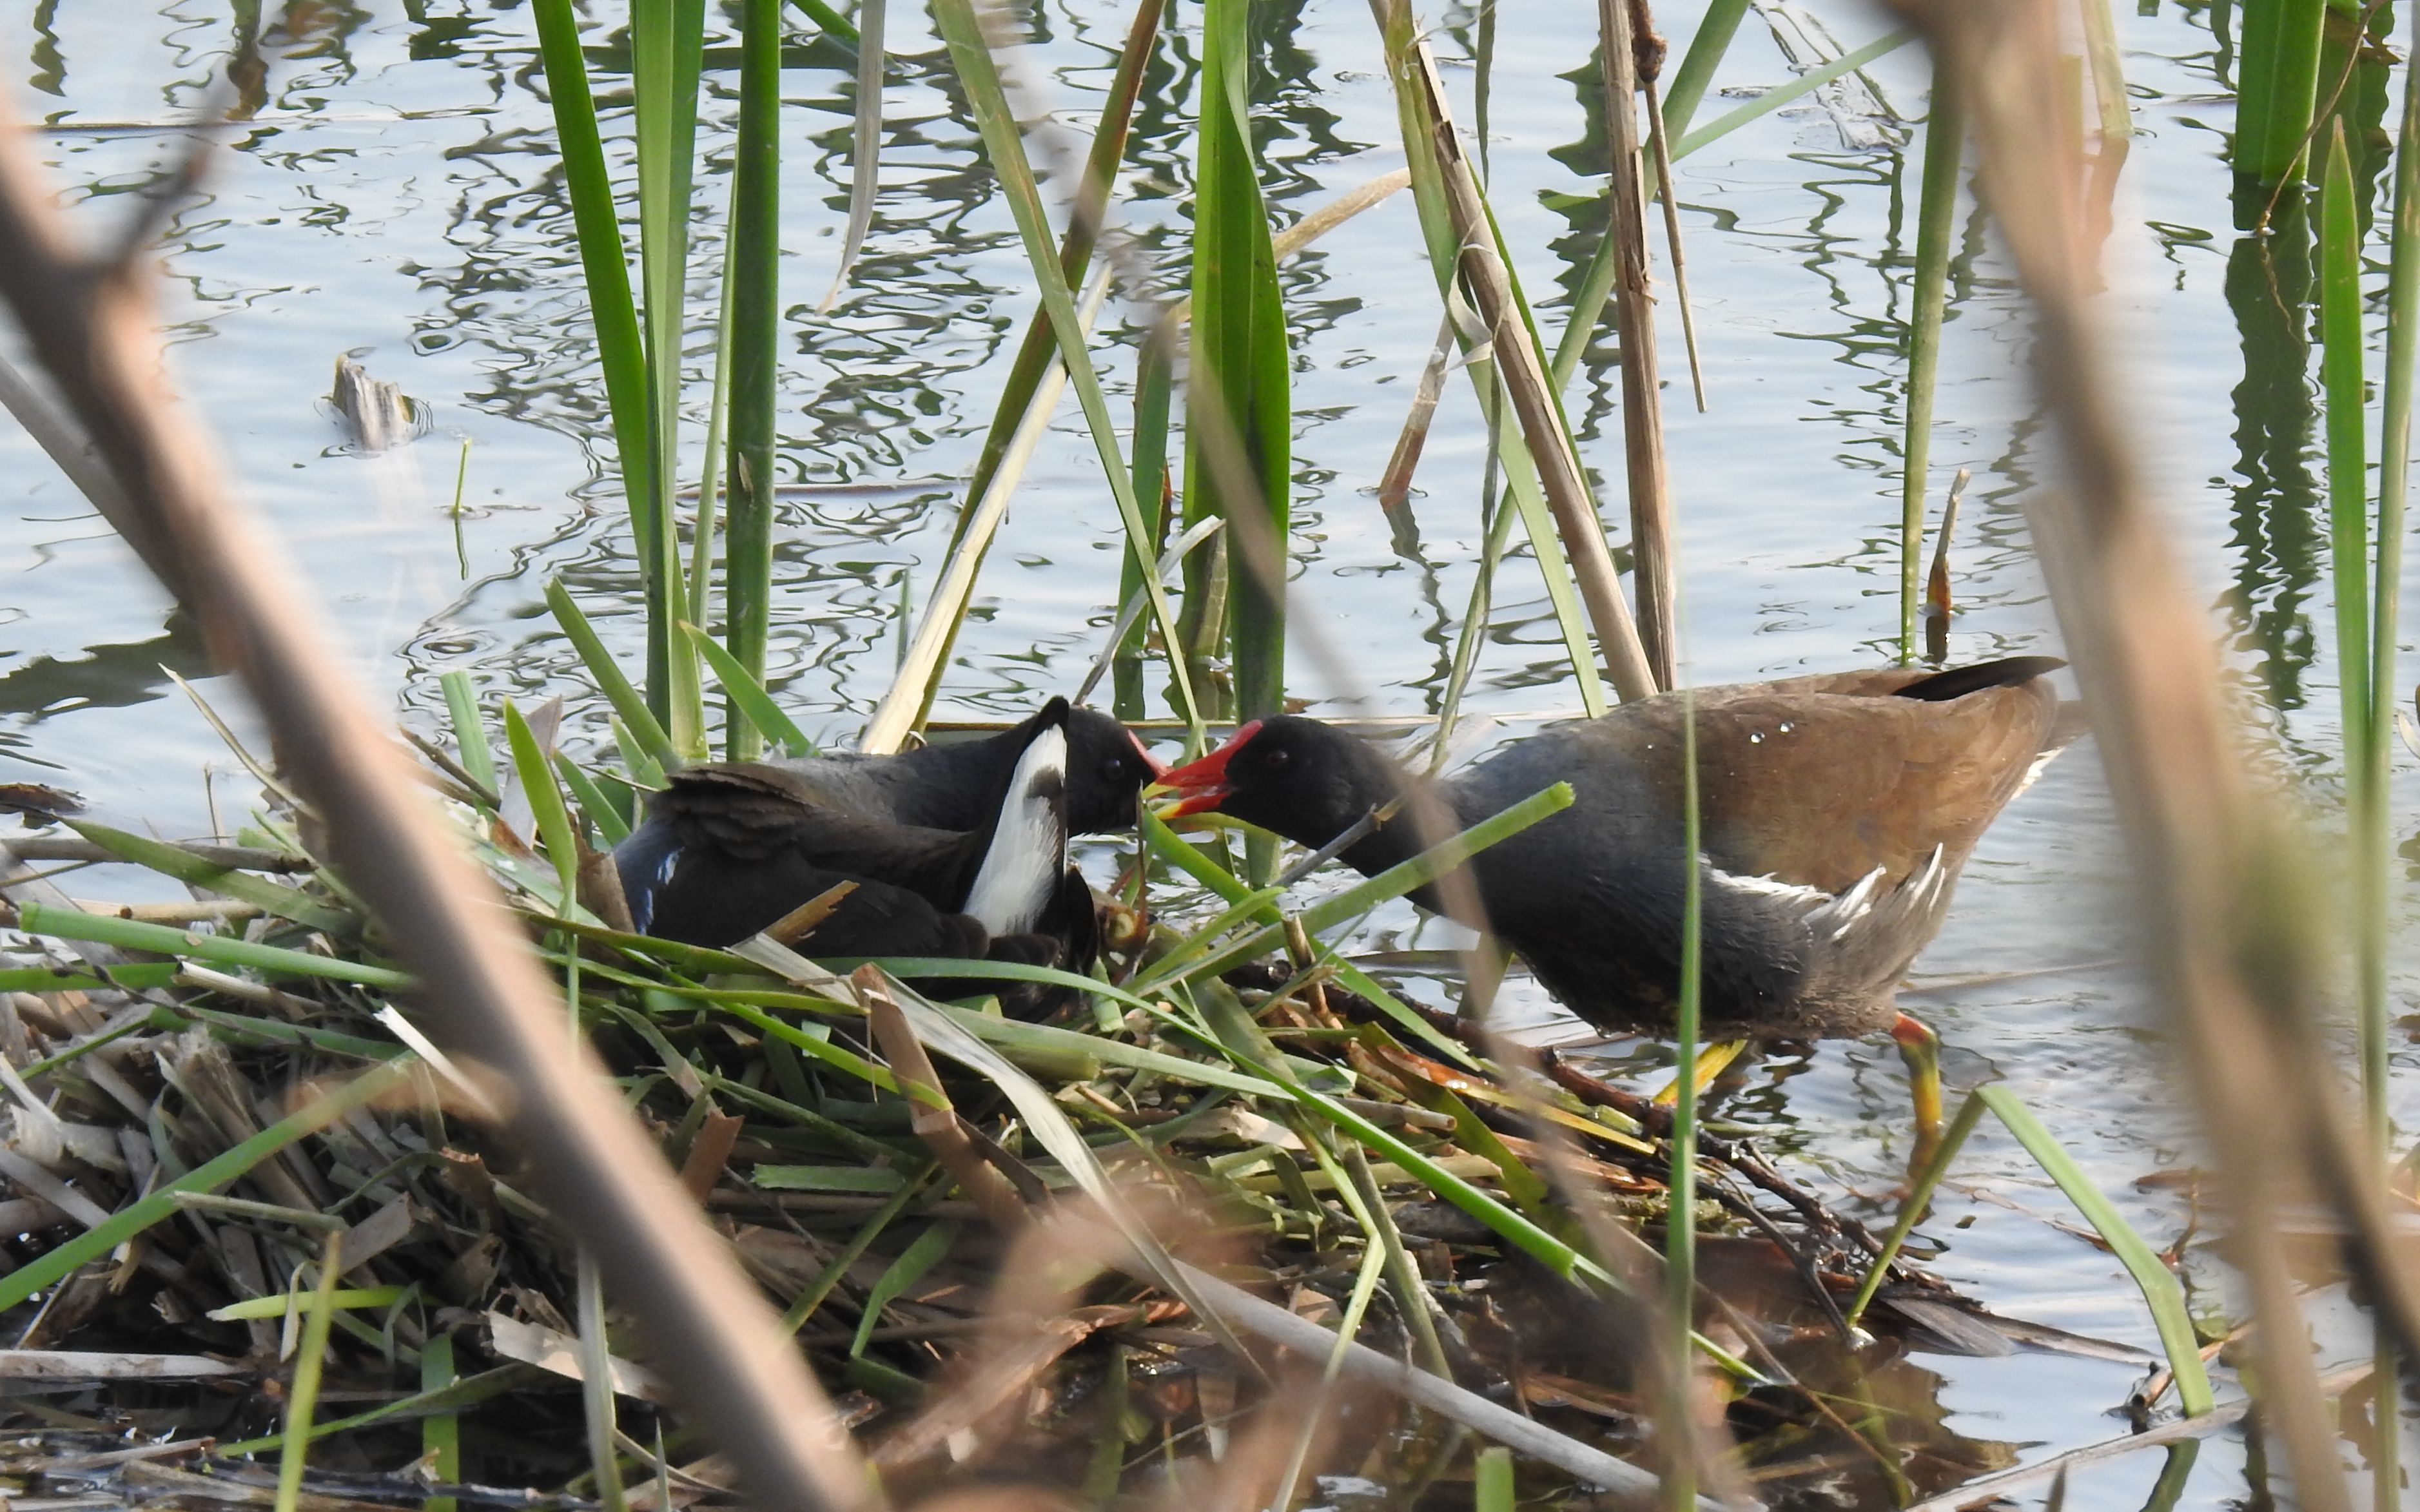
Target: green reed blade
{"type": "Point", "coordinates": [441, 1433]}
{"type": "Point", "coordinates": [1005, 147]}
{"type": "Point", "coordinates": [2341, 378]}
{"type": "Point", "coordinates": [61, 1260]}
{"type": "Point", "coordinates": [709, 473]}
{"type": "Point", "coordinates": [1155, 386]}
{"type": "Point", "coordinates": [902, 1273]}
{"type": "Point", "coordinates": [1919, 1198]}
{"type": "Point", "coordinates": [667, 41]}
{"type": "Point", "coordinates": [1681, 1182]}
{"type": "Point", "coordinates": [834, 24]}
{"type": "Point", "coordinates": [1031, 371]}
{"type": "Point", "coordinates": [217, 949]}
{"type": "Point", "coordinates": [1945, 146]}
{"type": "Point", "coordinates": [866, 162]}
{"type": "Point", "coordinates": [1686, 89]}
{"type": "Point", "coordinates": [1173, 848]}
{"type": "Point", "coordinates": [303, 1394]}
{"type": "Point", "coordinates": [593, 802]}
{"type": "Point", "coordinates": [1776, 98]}
{"type": "Point", "coordinates": [1390, 883]}
{"type": "Point", "coordinates": [168, 860]}
{"type": "Point", "coordinates": [2161, 1294]}
{"type": "Point", "coordinates": [1238, 441]}
{"type": "Point", "coordinates": [748, 695]}
{"type": "Point", "coordinates": [1429, 194]}
{"type": "Point", "coordinates": [544, 797]}
{"type": "Point", "coordinates": [470, 732]}
{"type": "Point", "coordinates": [636, 717]}
{"type": "Point", "coordinates": [1490, 1484]}
{"type": "Point", "coordinates": [2394, 478]}
{"type": "Point", "coordinates": [755, 355]}
{"type": "Point", "coordinates": [2280, 86]}
{"type": "Point", "coordinates": [604, 263]}
{"type": "Point", "coordinates": [596, 1358]}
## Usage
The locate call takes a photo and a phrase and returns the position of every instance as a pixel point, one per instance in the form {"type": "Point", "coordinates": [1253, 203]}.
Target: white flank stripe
{"type": "Point", "coordinates": [1029, 847]}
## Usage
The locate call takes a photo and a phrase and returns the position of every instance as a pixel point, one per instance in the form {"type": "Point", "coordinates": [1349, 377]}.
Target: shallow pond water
{"type": "Point", "coordinates": [394, 194]}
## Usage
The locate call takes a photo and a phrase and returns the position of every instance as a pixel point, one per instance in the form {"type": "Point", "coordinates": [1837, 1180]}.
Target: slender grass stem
{"type": "Point", "coordinates": [667, 39]}
{"type": "Point", "coordinates": [1945, 141]}
{"type": "Point", "coordinates": [755, 326]}
{"type": "Point", "coordinates": [1680, 1225]}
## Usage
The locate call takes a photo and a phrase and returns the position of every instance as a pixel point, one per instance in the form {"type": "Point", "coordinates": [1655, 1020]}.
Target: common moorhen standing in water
{"type": "Point", "coordinates": [731, 847]}
{"type": "Point", "coordinates": [1836, 814]}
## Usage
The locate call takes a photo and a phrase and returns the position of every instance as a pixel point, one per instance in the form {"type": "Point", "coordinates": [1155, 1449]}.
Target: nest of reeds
{"type": "Point", "coordinates": [254, 1202]}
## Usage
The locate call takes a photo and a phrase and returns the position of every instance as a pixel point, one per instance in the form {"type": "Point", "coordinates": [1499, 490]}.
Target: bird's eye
{"type": "Point", "coordinates": [1276, 757]}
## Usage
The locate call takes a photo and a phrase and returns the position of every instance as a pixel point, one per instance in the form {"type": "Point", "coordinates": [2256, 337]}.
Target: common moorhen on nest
{"type": "Point", "coordinates": [733, 847]}
{"type": "Point", "coordinates": [1836, 814]}
{"type": "Point", "coordinates": [958, 785]}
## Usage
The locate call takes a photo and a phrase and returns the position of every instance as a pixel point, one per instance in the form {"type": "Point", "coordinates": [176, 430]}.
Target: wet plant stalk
{"type": "Point", "coordinates": [1642, 406]}
{"type": "Point", "coordinates": [1679, 1224]}
{"type": "Point", "coordinates": [754, 359]}
{"type": "Point", "coordinates": [1945, 141]}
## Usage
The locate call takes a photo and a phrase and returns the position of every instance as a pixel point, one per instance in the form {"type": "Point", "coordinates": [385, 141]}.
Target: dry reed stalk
{"type": "Point", "coordinates": [1626, 663]}
{"type": "Point", "coordinates": [89, 323]}
{"type": "Point", "coordinates": [2241, 964]}
{"type": "Point", "coordinates": [1643, 402]}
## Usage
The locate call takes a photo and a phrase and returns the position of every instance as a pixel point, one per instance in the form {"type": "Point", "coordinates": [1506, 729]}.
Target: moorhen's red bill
{"type": "Point", "coordinates": [730, 848]}
{"type": "Point", "coordinates": [1836, 814]}
{"type": "Point", "coordinates": [959, 784]}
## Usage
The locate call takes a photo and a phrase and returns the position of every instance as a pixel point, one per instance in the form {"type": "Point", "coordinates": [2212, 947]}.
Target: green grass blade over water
{"type": "Point", "coordinates": [2362, 702]}
{"type": "Point", "coordinates": [2278, 92]}
{"type": "Point", "coordinates": [1945, 143]}
{"type": "Point", "coordinates": [2394, 481]}
{"type": "Point", "coordinates": [605, 264]}
{"type": "Point", "coordinates": [1771, 100]}
{"type": "Point", "coordinates": [755, 359]}
{"type": "Point", "coordinates": [1008, 151]}
{"type": "Point", "coordinates": [636, 717]}
{"type": "Point", "coordinates": [2160, 1292]}
{"type": "Point", "coordinates": [749, 697]}
{"type": "Point", "coordinates": [667, 37]}
{"type": "Point", "coordinates": [1238, 439]}
{"type": "Point", "coordinates": [1687, 87]}
{"type": "Point", "coordinates": [970, 55]}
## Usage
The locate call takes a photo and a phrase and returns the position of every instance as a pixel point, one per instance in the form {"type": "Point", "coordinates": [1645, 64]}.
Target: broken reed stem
{"type": "Point", "coordinates": [1642, 401]}
{"type": "Point", "coordinates": [1626, 662]}
{"type": "Point", "coordinates": [479, 985]}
